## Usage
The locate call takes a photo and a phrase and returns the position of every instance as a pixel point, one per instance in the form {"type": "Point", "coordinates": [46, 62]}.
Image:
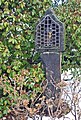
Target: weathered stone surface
{"type": "Point", "coordinates": [50, 43]}
{"type": "Point", "coordinates": [52, 66]}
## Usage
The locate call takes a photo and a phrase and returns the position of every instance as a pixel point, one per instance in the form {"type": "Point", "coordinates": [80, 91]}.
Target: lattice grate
{"type": "Point", "coordinates": [47, 33]}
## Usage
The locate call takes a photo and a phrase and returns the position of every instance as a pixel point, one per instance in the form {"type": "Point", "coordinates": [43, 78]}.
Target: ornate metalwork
{"type": "Point", "coordinates": [49, 33]}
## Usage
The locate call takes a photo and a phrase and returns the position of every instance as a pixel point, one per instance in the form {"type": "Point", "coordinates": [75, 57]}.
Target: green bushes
{"type": "Point", "coordinates": [70, 15]}
{"type": "Point", "coordinates": [18, 72]}
{"type": "Point", "coordinates": [4, 106]}
{"type": "Point", "coordinates": [18, 20]}
{"type": "Point", "coordinates": [24, 85]}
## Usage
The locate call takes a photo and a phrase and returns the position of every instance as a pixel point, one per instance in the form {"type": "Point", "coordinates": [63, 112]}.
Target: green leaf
{"type": "Point", "coordinates": [1, 61]}
{"type": "Point", "coordinates": [8, 70]}
{"type": "Point", "coordinates": [13, 41]}
{"type": "Point", "coordinates": [1, 115]}
{"type": "Point", "coordinates": [17, 46]}
{"type": "Point", "coordinates": [4, 67]}
{"type": "Point", "coordinates": [5, 112]}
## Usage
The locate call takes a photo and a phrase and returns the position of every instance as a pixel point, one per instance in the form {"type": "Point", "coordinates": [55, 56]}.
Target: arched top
{"type": "Point", "coordinates": [49, 18]}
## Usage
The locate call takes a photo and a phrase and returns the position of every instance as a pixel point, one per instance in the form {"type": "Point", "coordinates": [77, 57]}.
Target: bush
{"type": "Point", "coordinates": [19, 74]}
{"type": "Point", "coordinates": [25, 85]}
{"type": "Point", "coordinates": [70, 15]}
{"type": "Point", "coordinates": [18, 20]}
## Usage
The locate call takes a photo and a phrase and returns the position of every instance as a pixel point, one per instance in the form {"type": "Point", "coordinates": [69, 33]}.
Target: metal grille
{"type": "Point", "coordinates": [47, 34]}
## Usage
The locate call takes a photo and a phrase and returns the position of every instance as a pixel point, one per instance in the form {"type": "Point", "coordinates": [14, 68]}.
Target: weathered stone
{"type": "Point", "coordinates": [50, 43]}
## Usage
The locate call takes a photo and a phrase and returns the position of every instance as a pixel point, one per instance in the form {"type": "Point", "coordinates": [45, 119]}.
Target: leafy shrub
{"type": "Point", "coordinates": [4, 106]}
{"type": "Point", "coordinates": [18, 19]}
{"type": "Point", "coordinates": [70, 15]}
{"type": "Point", "coordinates": [17, 55]}
{"type": "Point", "coordinates": [24, 85]}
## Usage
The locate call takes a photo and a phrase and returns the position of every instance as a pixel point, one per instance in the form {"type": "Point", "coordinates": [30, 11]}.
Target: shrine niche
{"type": "Point", "coordinates": [49, 33]}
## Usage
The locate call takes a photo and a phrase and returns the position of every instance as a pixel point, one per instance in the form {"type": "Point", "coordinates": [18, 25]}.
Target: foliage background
{"type": "Point", "coordinates": [17, 55]}
{"type": "Point", "coordinates": [18, 20]}
{"type": "Point", "coordinates": [70, 14]}
{"type": "Point", "coordinates": [17, 51]}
